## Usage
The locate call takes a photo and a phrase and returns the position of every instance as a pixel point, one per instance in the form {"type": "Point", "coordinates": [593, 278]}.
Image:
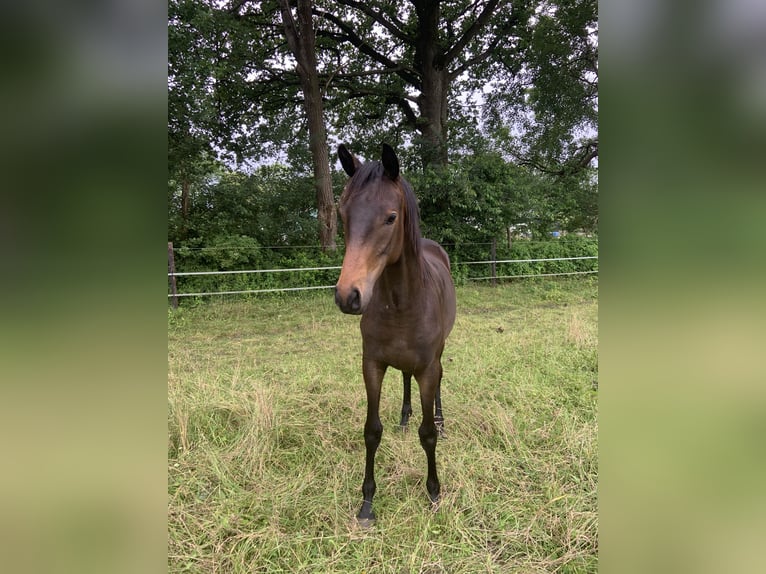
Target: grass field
{"type": "Point", "coordinates": [266, 406]}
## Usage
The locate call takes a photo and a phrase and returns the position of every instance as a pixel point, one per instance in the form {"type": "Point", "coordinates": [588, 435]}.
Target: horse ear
{"type": "Point", "coordinates": [390, 162]}
{"type": "Point", "coordinates": [348, 160]}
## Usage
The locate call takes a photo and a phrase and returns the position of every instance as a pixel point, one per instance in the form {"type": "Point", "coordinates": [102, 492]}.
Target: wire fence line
{"type": "Point", "coordinates": [173, 274]}
{"type": "Point", "coordinates": [245, 271]}
{"type": "Point", "coordinates": [319, 247]}
{"type": "Point", "coordinates": [189, 273]}
{"type": "Point", "coordinates": [534, 275]}
{"type": "Point", "coordinates": [252, 291]}
{"type": "Point", "coordinates": [528, 260]}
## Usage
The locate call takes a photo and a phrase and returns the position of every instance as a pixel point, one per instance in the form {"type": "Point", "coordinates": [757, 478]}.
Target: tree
{"type": "Point", "coordinates": [252, 80]}
{"type": "Point", "coordinates": [241, 94]}
{"type": "Point", "coordinates": [554, 118]}
{"type": "Point", "coordinates": [302, 42]}
{"type": "Point", "coordinates": [413, 56]}
{"type": "Point", "coordinates": [538, 59]}
{"type": "Point", "coordinates": [189, 158]}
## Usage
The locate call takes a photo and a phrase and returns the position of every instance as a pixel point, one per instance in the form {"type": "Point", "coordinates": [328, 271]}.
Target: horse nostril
{"type": "Point", "coordinates": [354, 300]}
{"type": "Point", "coordinates": [351, 303]}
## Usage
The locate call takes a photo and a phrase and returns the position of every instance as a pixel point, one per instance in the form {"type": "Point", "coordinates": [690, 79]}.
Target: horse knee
{"type": "Point", "coordinates": [428, 436]}
{"type": "Point", "coordinates": [373, 431]}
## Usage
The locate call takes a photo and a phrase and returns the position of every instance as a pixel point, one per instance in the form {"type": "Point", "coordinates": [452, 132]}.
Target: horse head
{"type": "Point", "coordinates": [374, 209]}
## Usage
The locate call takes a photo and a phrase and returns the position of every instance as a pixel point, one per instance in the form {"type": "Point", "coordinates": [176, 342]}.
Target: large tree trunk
{"type": "Point", "coordinates": [432, 102]}
{"type": "Point", "coordinates": [326, 213]}
{"type": "Point", "coordinates": [302, 40]}
{"type": "Point", "coordinates": [433, 117]}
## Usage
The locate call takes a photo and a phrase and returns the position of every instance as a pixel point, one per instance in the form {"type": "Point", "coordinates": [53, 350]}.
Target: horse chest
{"type": "Point", "coordinates": [398, 343]}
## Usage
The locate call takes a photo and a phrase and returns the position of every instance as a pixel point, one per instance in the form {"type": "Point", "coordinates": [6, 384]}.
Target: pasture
{"type": "Point", "coordinates": [266, 407]}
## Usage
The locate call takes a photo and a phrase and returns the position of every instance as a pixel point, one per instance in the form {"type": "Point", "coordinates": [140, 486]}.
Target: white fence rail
{"type": "Point", "coordinates": [188, 273]}
{"type": "Point", "coordinates": [172, 275]}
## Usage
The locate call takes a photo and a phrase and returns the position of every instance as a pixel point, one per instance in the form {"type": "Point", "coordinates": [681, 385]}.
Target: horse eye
{"type": "Point", "coordinates": [391, 218]}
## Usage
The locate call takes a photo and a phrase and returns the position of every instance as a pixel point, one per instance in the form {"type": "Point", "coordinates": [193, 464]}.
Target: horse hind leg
{"type": "Point", "coordinates": [406, 400]}
{"type": "Point", "coordinates": [429, 435]}
{"type": "Point", "coordinates": [439, 417]}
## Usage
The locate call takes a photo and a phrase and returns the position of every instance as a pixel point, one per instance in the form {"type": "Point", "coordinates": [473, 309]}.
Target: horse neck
{"type": "Point", "coordinates": [401, 283]}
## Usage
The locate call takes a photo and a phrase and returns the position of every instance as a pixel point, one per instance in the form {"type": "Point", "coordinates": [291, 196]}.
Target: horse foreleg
{"type": "Point", "coordinates": [373, 430]}
{"type": "Point", "coordinates": [406, 400]}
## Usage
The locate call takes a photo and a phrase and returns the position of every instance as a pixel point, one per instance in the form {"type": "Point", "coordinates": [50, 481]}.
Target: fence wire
{"type": "Point", "coordinates": [295, 270]}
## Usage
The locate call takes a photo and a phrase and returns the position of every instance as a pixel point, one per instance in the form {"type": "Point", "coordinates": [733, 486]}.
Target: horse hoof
{"type": "Point", "coordinates": [434, 494]}
{"type": "Point", "coordinates": [365, 523]}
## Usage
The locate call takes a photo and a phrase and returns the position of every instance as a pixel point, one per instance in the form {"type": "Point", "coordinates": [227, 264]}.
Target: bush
{"type": "Point", "coordinates": [469, 262]}
{"type": "Point", "coordinates": [239, 253]}
{"type": "Point", "coordinates": [524, 250]}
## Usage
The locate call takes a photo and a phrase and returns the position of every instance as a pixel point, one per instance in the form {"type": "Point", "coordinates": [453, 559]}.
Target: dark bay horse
{"type": "Point", "coordinates": [401, 285]}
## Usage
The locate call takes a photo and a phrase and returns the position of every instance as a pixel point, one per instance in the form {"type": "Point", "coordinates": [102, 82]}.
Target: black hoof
{"type": "Point", "coordinates": [366, 516]}
{"type": "Point", "coordinates": [433, 488]}
{"type": "Point", "coordinates": [365, 523]}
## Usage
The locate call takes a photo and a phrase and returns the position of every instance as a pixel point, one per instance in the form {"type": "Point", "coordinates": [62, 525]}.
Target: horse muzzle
{"type": "Point", "coordinates": [350, 301]}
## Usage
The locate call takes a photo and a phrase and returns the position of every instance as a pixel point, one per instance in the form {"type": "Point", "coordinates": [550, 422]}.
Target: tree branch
{"type": "Point", "coordinates": [358, 91]}
{"type": "Point", "coordinates": [291, 30]}
{"type": "Point", "coordinates": [500, 35]}
{"type": "Point", "coordinates": [410, 118]}
{"type": "Point", "coordinates": [395, 26]}
{"type": "Point", "coordinates": [470, 33]}
{"type": "Point", "coordinates": [477, 59]}
{"type": "Point", "coordinates": [236, 6]}
{"type": "Point", "coordinates": [579, 161]}
{"type": "Point", "coordinates": [380, 72]}
{"type": "Point", "coordinates": [350, 36]}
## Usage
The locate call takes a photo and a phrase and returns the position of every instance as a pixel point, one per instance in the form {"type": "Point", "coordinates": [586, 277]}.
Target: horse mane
{"type": "Point", "coordinates": [412, 220]}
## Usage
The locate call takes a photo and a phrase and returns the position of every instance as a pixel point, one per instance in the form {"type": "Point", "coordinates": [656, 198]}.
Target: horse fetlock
{"type": "Point", "coordinates": [439, 422]}
{"type": "Point", "coordinates": [434, 488]}
{"type": "Point", "coordinates": [406, 414]}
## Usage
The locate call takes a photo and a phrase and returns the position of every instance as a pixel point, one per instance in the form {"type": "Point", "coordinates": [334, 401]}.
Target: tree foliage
{"type": "Point", "coordinates": [492, 105]}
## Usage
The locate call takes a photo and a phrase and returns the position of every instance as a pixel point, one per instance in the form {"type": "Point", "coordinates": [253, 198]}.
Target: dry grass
{"type": "Point", "coordinates": [265, 449]}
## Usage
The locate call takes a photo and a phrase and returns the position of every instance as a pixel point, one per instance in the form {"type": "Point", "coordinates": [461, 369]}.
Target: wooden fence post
{"type": "Point", "coordinates": [172, 276]}
{"type": "Point", "coordinates": [493, 256]}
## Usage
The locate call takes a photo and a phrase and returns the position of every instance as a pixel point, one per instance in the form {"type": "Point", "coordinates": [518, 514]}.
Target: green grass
{"type": "Point", "coordinates": [266, 406]}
